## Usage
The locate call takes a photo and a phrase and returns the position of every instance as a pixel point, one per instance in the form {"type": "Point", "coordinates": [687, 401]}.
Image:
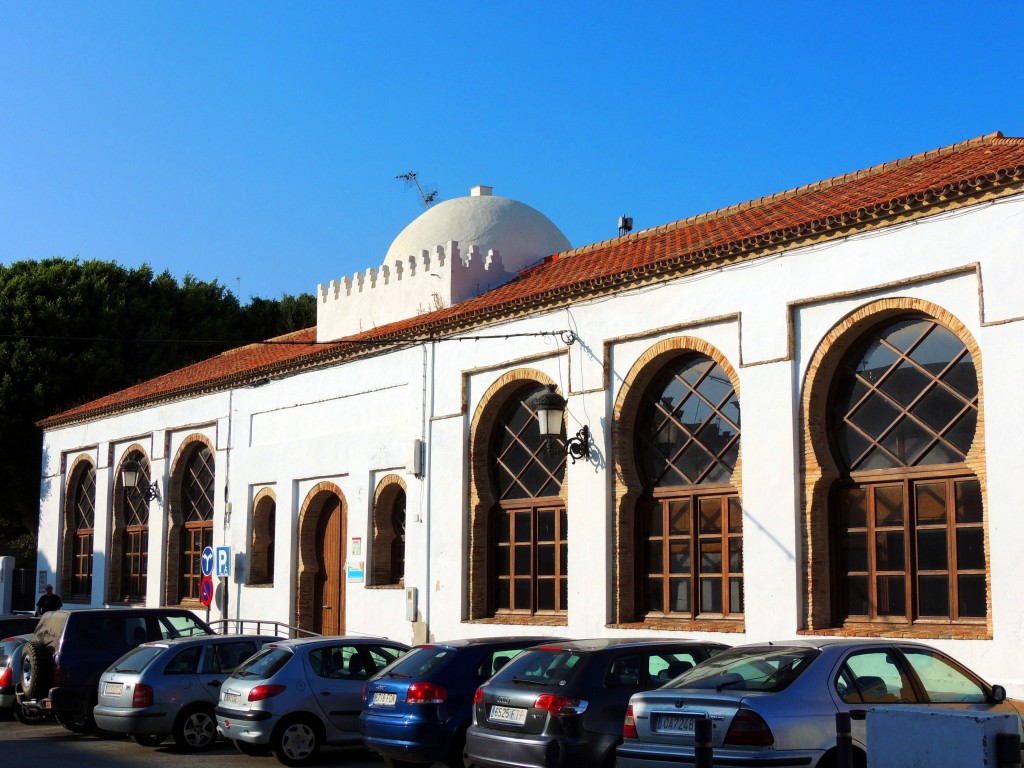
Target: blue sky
{"type": "Point", "coordinates": [256, 143]}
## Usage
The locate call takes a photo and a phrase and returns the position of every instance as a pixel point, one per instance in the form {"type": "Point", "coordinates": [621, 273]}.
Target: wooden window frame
{"type": "Point", "coordinates": [84, 510]}
{"type": "Point", "coordinates": [559, 576]}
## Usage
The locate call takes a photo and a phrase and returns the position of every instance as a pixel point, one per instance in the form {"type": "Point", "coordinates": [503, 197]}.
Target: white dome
{"type": "Point", "coordinates": [520, 234]}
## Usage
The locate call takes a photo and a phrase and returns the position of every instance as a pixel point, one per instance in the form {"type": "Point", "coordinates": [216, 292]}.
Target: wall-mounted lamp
{"type": "Point", "coordinates": [550, 408]}
{"type": "Point", "coordinates": [131, 474]}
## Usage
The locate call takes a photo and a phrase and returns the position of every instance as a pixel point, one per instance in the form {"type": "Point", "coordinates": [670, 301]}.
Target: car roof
{"type": "Point", "coordinates": [467, 642]}
{"type": "Point", "coordinates": [178, 642]}
{"type": "Point", "coordinates": [603, 643]}
{"type": "Point", "coordinates": [822, 643]}
{"type": "Point", "coordinates": [302, 642]}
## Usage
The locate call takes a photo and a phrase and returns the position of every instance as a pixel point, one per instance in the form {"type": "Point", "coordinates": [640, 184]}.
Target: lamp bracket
{"type": "Point", "coordinates": [578, 447]}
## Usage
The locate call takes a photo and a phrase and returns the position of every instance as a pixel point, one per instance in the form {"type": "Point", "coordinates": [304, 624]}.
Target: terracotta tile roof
{"type": "Point", "coordinates": [910, 186]}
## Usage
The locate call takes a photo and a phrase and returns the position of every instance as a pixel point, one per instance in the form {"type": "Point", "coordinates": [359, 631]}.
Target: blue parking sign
{"type": "Point", "coordinates": [223, 561]}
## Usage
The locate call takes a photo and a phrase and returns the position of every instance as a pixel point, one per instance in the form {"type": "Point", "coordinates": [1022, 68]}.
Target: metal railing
{"type": "Point", "coordinates": [259, 627]}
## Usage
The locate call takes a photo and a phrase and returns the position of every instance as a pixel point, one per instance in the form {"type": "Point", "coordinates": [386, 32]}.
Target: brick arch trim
{"type": "Point", "coordinates": [117, 526]}
{"type": "Point", "coordinates": [481, 494]}
{"type": "Point", "coordinates": [309, 517]}
{"type": "Point", "coordinates": [172, 571]}
{"type": "Point", "coordinates": [818, 467]}
{"type": "Point", "coordinates": [627, 483]}
{"type": "Point", "coordinates": [383, 533]}
{"type": "Point", "coordinates": [82, 463]}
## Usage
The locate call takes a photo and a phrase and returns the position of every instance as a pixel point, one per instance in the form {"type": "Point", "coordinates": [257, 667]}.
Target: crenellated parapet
{"type": "Point", "coordinates": [405, 287]}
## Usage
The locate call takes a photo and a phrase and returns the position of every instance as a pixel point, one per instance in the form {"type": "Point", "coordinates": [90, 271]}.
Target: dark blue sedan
{"type": "Point", "coordinates": [417, 709]}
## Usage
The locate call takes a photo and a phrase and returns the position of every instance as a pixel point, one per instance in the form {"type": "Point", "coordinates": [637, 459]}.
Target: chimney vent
{"type": "Point", "coordinates": [480, 190]}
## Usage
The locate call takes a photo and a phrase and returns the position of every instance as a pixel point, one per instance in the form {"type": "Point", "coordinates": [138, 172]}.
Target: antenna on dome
{"type": "Point", "coordinates": [428, 195]}
{"type": "Point", "coordinates": [625, 225]}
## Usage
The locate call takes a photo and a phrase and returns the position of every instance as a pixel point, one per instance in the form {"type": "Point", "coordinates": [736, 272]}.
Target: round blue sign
{"type": "Point", "coordinates": [206, 590]}
{"type": "Point", "coordinates": [207, 561]}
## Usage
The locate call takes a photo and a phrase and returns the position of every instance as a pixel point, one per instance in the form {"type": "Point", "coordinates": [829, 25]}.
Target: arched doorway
{"type": "Point", "coordinates": [323, 536]}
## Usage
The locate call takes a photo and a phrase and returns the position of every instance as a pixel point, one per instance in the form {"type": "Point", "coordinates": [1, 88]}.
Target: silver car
{"type": "Point", "coordinates": [10, 663]}
{"type": "Point", "coordinates": [170, 687]}
{"type": "Point", "coordinates": [297, 695]}
{"type": "Point", "coordinates": [776, 704]}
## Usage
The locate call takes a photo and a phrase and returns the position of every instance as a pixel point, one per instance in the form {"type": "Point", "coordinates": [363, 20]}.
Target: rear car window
{"type": "Point", "coordinates": [225, 657]}
{"type": "Point", "coordinates": [137, 659]}
{"type": "Point", "coordinates": [264, 664]}
{"type": "Point", "coordinates": [419, 661]}
{"type": "Point", "coordinates": [180, 626]}
{"type": "Point", "coordinates": [7, 648]}
{"type": "Point", "coordinates": [542, 666]}
{"type": "Point", "coordinates": [749, 669]}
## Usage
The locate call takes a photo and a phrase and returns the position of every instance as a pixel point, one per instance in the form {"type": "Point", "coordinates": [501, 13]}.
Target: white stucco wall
{"type": "Point", "coordinates": [353, 423]}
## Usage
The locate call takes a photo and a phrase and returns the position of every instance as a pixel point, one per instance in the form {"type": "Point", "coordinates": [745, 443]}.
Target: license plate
{"type": "Point", "coordinates": [677, 723]}
{"type": "Point", "coordinates": [113, 689]}
{"type": "Point", "coordinates": [384, 699]}
{"type": "Point", "coordinates": [232, 697]}
{"type": "Point", "coordinates": [507, 715]}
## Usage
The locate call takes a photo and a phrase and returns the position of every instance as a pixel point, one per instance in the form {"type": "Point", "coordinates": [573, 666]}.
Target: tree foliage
{"type": "Point", "coordinates": [71, 331]}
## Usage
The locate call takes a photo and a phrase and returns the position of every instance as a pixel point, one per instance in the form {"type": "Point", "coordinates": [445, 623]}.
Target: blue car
{"type": "Point", "coordinates": [417, 710]}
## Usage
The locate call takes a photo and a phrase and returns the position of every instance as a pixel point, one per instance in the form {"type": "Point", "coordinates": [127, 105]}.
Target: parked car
{"type": "Point", "coordinates": [294, 696]}
{"type": "Point", "coordinates": [776, 704]}
{"type": "Point", "coordinates": [417, 709]}
{"type": "Point", "coordinates": [69, 650]}
{"type": "Point", "coordinates": [170, 688]}
{"type": "Point", "coordinates": [561, 705]}
{"type": "Point", "coordinates": [12, 624]}
{"type": "Point", "coordinates": [10, 660]}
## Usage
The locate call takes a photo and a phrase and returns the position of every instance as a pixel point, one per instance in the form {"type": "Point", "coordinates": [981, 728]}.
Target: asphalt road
{"type": "Point", "coordinates": [48, 745]}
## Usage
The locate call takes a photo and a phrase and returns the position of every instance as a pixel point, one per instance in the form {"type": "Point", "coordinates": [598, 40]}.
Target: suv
{"type": "Point", "coordinates": [70, 650]}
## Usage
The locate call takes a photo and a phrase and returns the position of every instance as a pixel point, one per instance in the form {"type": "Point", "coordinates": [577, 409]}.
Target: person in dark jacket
{"type": "Point", "coordinates": [48, 601]}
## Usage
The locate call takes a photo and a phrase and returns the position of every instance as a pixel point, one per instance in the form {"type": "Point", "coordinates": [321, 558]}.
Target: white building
{"type": "Point", "coordinates": [866, 327]}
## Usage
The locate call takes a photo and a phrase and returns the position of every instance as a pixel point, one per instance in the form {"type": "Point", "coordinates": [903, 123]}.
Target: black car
{"type": "Point", "coordinates": [69, 650]}
{"type": "Point", "coordinates": [12, 624]}
{"type": "Point", "coordinates": [562, 705]}
{"type": "Point", "coordinates": [417, 709]}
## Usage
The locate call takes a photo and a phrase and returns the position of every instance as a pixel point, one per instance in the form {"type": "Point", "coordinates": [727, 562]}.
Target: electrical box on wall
{"type": "Point", "coordinates": [415, 463]}
{"type": "Point", "coordinates": [410, 603]}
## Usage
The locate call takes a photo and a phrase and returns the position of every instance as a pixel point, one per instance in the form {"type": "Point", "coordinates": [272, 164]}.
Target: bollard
{"type": "Point", "coordinates": [1008, 750]}
{"type": "Point", "coordinates": [844, 741]}
{"type": "Point", "coordinates": [702, 745]}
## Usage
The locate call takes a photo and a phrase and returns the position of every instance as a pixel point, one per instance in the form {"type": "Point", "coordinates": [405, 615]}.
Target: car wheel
{"type": "Point", "coordinates": [296, 742]}
{"type": "Point", "coordinates": [36, 668]}
{"type": "Point", "coordinates": [457, 752]}
{"type": "Point", "coordinates": [248, 748]}
{"type": "Point", "coordinates": [392, 763]}
{"type": "Point", "coordinates": [76, 722]}
{"type": "Point", "coordinates": [195, 729]}
{"type": "Point", "coordinates": [149, 740]}
{"type": "Point", "coordinates": [28, 716]}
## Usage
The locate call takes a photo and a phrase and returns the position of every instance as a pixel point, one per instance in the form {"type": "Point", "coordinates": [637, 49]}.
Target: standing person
{"type": "Point", "coordinates": [48, 601]}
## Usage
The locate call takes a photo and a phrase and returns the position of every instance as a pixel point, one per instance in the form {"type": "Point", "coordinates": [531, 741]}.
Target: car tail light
{"type": "Point", "coordinates": [261, 692]}
{"type": "Point", "coordinates": [142, 696]}
{"type": "Point", "coordinates": [478, 696]}
{"type": "Point", "coordinates": [748, 729]}
{"type": "Point", "coordinates": [58, 675]}
{"type": "Point", "coordinates": [629, 726]}
{"type": "Point", "coordinates": [426, 693]}
{"type": "Point", "coordinates": [559, 705]}
{"type": "Point", "coordinates": [5, 677]}
{"type": "Point", "coordinates": [364, 693]}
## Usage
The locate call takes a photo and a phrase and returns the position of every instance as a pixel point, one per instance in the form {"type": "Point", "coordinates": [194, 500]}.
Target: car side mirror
{"type": "Point", "coordinates": [998, 694]}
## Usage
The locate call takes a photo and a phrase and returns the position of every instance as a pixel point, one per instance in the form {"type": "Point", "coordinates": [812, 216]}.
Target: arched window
{"type": "Point", "coordinates": [82, 519]}
{"type": "Point", "coordinates": [388, 533]}
{"type": "Point", "coordinates": [529, 526]}
{"type": "Point", "coordinates": [690, 521]}
{"type": "Point", "coordinates": [261, 566]}
{"type": "Point", "coordinates": [908, 538]}
{"type": "Point", "coordinates": [134, 554]}
{"type": "Point", "coordinates": [197, 483]}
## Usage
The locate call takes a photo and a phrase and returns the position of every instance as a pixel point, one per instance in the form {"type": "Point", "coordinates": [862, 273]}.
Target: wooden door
{"type": "Point", "coordinates": [330, 595]}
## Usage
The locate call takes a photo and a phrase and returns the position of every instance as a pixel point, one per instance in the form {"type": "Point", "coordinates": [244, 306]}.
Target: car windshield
{"type": "Point", "coordinates": [265, 663]}
{"type": "Point", "coordinates": [180, 626]}
{"type": "Point", "coordinates": [768, 668]}
{"type": "Point", "coordinates": [418, 662]}
{"type": "Point", "coordinates": [543, 666]}
{"type": "Point", "coordinates": [137, 659]}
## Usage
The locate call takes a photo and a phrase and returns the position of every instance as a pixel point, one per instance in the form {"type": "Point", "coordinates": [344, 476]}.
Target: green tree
{"type": "Point", "coordinates": [72, 331]}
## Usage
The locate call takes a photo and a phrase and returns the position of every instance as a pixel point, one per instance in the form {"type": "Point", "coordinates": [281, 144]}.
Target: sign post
{"type": "Point", "coordinates": [206, 585]}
